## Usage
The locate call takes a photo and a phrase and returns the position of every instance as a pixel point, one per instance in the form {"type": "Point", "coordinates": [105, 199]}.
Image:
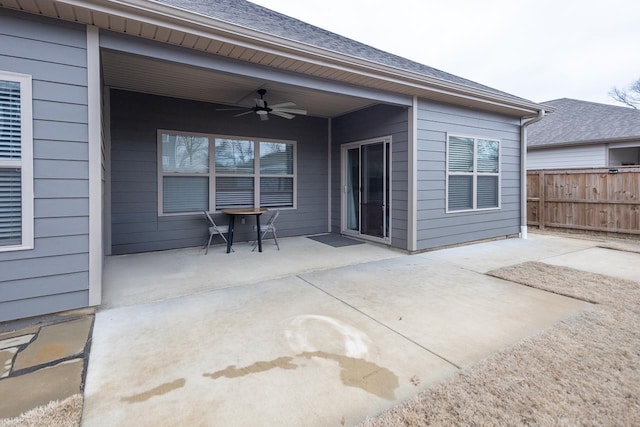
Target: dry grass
{"type": "Point", "coordinates": [583, 371]}
{"type": "Point", "coordinates": [65, 413]}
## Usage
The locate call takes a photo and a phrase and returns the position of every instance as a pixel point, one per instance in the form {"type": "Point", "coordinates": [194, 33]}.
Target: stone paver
{"type": "Point", "coordinates": [25, 392]}
{"type": "Point", "coordinates": [55, 342]}
{"type": "Point", "coordinates": [41, 363]}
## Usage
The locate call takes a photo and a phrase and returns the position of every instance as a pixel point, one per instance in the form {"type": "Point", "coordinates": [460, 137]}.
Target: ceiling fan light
{"type": "Point", "coordinates": [261, 112]}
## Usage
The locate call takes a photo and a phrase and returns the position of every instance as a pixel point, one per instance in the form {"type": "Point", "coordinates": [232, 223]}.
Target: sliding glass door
{"type": "Point", "coordinates": [366, 206]}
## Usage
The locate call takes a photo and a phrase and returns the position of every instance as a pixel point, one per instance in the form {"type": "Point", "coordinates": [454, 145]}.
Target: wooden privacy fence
{"type": "Point", "coordinates": [599, 199]}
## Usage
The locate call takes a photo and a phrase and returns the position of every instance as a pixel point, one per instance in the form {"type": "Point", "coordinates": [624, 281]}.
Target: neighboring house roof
{"type": "Point", "coordinates": [576, 122]}
{"type": "Point", "coordinates": [258, 18]}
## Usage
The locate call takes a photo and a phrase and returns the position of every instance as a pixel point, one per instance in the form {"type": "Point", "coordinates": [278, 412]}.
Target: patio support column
{"type": "Point", "coordinates": [412, 187]}
{"type": "Point", "coordinates": [95, 166]}
{"type": "Point", "coordinates": [329, 174]}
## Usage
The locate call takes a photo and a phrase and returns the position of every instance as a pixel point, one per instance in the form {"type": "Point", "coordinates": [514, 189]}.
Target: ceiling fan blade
{"type": "Point", "coordinates": [259, 102]}
{"type": "Point", "coordinates": [244, 114]}
{"type": "Point", "coordinates": [281, 114]}
{"type": "Point", "coordinates": [264, 116]}
{"type": "Point", "coordinates": [284, 105]}
{"type": "Point", "coordinates": [290, 110]}
{"type": "Point", "coordinates": [231, 109]}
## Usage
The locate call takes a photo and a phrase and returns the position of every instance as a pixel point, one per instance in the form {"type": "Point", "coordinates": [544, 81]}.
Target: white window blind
{"type": "Point", "coordinates": [10, 207]}
{"type": "Point", "coordinates": [10, 120]}
{"type": "Point", "coordinates": [234, 192]}
{"type": "Point", "coordinates": [460, 192]}
{"type": "Point", "coordinates": [276, 192]}
{"type": "Point", "coordinates": [460, 154]}
{"type": "Point", "coordinates": [16, 176]}
{"type": "Point", "coordinates": [185, 194]}
{"type": "Point", "coordinates": [487, 192]}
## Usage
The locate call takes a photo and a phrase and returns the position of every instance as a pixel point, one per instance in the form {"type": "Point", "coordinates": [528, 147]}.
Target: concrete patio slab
{"type": "Point", "coordinates": [611, 262]}
{"type": "Point", "coordinates": [316, 347]}
{"type": "Point", "coordinates": [275, 353]}
{"type": "Point", "coordinates": [153, 276]}
{"type": "Point", "coordinates": [487, 256]}
{"type": "Point", "coordinates": [460, 315]}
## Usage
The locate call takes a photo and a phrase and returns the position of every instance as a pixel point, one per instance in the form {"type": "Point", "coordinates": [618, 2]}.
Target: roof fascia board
{"type": "Point", "coordinates": [153, 49]}
{"type": "Point", "coordinates": [187, 21]}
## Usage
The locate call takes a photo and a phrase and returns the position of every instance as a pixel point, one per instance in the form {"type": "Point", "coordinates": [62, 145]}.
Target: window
{"type": "Point", "coordinates": [473, 173]}
{"type": "Point", "coordinates": [16, 162]}
{"type": "Point", "coordinates": [185, 173]}
{"type": "Point", "coordinates": [208, 172]}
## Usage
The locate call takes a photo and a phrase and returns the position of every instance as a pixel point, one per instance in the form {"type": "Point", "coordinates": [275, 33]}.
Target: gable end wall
{"type": "Point", "coordinates": [437, 228]}
{"type": "Point", "coordinates": [587, 156]}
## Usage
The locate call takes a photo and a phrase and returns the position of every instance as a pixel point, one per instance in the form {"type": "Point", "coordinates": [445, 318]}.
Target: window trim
{"type": "Point", "coordinates": [475, 174]}
{"type": "Point", "coordinates": [211, 175]}
{"type": "Point", "coordinates": [25, 163]}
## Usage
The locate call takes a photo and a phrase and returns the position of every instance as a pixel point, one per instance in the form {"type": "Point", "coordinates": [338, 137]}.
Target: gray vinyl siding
{"type": "Point", "coordinates": [54, 275]}
{"type": "Point", "coordinates": [374, 122]}
{"type": "Point", "coordinates": [586, 156]}
{"type": "Point", "coordinates": [136, 224]}
{"type": "Point", "coordinates": [437, 228]}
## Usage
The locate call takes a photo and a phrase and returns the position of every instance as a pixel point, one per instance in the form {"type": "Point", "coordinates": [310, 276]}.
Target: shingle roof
{"type": "Point", "coordinates": [255, 17]}
{"type": "Point", "coordinates": [576, 121]}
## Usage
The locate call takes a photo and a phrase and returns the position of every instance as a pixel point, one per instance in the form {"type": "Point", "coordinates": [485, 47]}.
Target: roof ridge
{"type": "Point", "coordinates": [626, 108]}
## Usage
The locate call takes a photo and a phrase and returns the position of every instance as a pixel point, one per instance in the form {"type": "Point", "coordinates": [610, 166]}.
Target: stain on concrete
{"type": "Point", "coordinates": [362, 374]}
{"type": "Point", "coordinates": [313, 332]}
{"type": "Point", "coordinates": [156, 391]}
{"type": "Point", "coordinates": [354, 372]}
{"type": "Point", "coordinates": [262, 366]}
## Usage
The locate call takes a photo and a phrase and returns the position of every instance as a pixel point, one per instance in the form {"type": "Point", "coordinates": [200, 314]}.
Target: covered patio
{"type": "Point", "coordinates": [154, 276]}
{"type": "Point", "coordinates": [181, 138]}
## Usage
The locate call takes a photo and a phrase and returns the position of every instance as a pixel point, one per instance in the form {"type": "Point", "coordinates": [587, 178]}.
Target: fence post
{"type": "Point", "coordinates": [541, 198]}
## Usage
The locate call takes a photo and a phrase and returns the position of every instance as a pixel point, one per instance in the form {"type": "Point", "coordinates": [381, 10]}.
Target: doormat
{"type": "Point", "coordinates": [335, 240]}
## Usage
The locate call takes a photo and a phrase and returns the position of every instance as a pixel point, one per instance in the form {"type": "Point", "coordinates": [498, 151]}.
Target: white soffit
{"type": "Point", "coordinates": [143, 74]}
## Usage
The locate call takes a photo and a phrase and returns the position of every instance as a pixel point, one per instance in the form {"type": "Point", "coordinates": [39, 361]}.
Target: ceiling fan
{"type": "Point", "coordinates": [263, 109]}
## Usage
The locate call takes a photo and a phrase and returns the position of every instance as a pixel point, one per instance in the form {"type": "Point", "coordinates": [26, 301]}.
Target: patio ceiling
{"type": "Point", "coordinates": [149, 75]}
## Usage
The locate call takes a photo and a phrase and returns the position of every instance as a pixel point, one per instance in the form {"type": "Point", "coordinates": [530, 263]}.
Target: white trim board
{"type": "Point", "coordinates": [96, 249]}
